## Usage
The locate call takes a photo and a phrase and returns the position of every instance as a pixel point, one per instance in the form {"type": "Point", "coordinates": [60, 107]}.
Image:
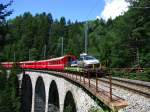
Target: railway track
{"type": "Point", "coordinates": [139, 88]}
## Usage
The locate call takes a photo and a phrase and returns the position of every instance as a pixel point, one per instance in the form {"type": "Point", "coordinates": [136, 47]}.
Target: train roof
{"type": "Point", "coordinates": [27, 61]}
{"type": "Point", "coordinates": [7, 62]}
{"type": "Point", "coordinates": [52, 59]}
{"type": "Point", "coordinates": [58, 58]}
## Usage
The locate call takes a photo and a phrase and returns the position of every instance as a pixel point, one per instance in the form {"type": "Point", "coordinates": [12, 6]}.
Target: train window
{"type": "Point", "coordinates": [62, 60]}
{"type": "Point", "coordinates": [69, 60]}
{"type": "Point", "coordinates": [81, 59]}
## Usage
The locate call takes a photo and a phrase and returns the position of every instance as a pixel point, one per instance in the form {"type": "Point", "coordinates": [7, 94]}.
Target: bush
{"type": "Point", "coordinates": [96, 109]}
{"type": "Point", "coordinates": [9, 99]}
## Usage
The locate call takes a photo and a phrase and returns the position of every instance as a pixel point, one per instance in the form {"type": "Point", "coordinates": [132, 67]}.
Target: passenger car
{"type": "Point", "coordinates": [58, 63]}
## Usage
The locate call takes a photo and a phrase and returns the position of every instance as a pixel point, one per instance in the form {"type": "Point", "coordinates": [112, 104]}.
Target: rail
{"type": "Point", "coordinates": [138, 87]}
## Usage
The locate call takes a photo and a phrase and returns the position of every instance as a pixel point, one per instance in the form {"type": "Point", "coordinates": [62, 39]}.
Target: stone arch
{"type": "Point", "coordinates": [53, 100]}
{"type": "Point", "coordinates": [26, 93]}
{"type": "Point", "coordinates": [40, 96]}
{"type": "Point", "coordinates": [69, 103]}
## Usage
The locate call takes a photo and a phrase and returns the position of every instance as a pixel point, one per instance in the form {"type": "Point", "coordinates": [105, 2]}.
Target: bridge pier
{"type": "Point", "coordinates": [61, 97]}
{"type": "Point", "coordinates": [33, 92]}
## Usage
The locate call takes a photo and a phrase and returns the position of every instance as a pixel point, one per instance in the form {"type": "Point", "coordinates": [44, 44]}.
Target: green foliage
{"type": "Point", "coordinates": [16, 69]}
{"type": "Point", "coordinates": [3, 12]}
{"type": "Point", "coordinates": [9, 94]}
{"type": "Point", "coordinates": [68, 109]}
{"type": "Point", "coordinates": [122, 42]}
{"type": "Point", "coordinates": [3, 79]}
{"type": "Point", "coordinates": [144, 76]}
{"type": "Point", "coordinates": [96, 109]}
{"type": "Point", "coordinates": [3, 26]}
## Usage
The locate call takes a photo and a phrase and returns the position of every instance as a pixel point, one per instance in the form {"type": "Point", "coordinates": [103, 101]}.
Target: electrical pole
{"type": "Point", "coordinates": [62, 46]}
{"type": "Point", "coordinates": [137, 56]}
{"type": "Point", "coordinates": [86, 37]}
{"type": "Point", "coordinates": [14, 56]}
{"type": "Point", "coordinates": [29, 54]}
{"type": "Point", "coordinates": [45, 51]}
{"type": "Point", "coordinates": [137, 53]}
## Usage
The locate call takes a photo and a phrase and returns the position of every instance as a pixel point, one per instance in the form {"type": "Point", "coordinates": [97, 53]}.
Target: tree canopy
{"type": "Point", "coordinates": [124, 41]}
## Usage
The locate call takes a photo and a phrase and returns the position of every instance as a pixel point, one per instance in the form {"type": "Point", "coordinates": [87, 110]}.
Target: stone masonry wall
{"type": "Point", "coordinates": [82, 100]}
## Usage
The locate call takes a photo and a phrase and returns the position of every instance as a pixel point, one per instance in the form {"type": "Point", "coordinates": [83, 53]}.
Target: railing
{"type": "Point", "coordinates": [85, 78]}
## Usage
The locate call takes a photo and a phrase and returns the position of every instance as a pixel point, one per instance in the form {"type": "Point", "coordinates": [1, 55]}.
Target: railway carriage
{"type": "Point", "coordinates": [60, 63]}
{"type": "Point", "coordinates": [27, 64]}
{"type": "Point", "coordinates": [42, 64]}
{"type": "Point", "coordinates": [7, 65]}
{"type": "Point", "coordinates": [51, 64]}
{"type": "Point", "coordinates": [63, 63]}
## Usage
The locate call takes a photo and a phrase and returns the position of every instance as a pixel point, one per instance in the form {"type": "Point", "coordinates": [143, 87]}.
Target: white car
{"type": "Point", "coordinates": [88, 61]}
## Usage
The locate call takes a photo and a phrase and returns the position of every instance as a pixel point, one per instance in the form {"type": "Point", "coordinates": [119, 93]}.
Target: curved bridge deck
{"type": "Point", "coordinates": [112, 101]}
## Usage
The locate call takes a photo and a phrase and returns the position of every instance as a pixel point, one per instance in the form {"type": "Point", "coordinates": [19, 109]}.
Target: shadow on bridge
{"type": "Point", "coordinates": [69, 104]}
{"type": "Point", "coordinates": [26, 90]}
{"type": "Point", "coordinates": [40, 98]}
{"type": "Point", "coordinates": [53, 101]}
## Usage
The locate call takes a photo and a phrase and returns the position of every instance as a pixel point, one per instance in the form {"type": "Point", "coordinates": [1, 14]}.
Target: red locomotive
{"type": "Point", "coordinates": [51, 64]}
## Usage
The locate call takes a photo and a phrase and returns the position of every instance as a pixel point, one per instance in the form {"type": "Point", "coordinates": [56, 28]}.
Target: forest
{"type": "Point", "coordinates": [123, 42]}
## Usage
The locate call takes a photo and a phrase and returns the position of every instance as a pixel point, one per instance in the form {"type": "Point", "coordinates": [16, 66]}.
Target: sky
{"type": "Point", "coordinates": [80, 10]}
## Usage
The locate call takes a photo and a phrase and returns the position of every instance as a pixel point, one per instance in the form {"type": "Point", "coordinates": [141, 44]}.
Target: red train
{"type": "Point", "coordinates": [51, 64]}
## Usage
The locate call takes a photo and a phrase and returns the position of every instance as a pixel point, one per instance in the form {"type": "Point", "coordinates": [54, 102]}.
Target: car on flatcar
{"type": "Point", "coordinates": [87, 61]}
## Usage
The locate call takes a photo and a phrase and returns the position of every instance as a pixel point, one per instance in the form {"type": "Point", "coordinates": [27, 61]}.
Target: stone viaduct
{"type": "Point", "coordinates": [44, 92]}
